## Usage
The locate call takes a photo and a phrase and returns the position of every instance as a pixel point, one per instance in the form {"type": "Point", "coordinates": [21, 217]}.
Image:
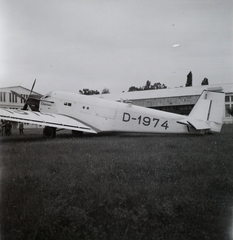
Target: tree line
{"type": "Point", "coordinates": [147, 86]}
{"type": "Point", "coordinates": [87, 91]}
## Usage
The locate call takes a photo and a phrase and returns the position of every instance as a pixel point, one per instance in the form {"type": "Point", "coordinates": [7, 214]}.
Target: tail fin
{"type": "Point", "coordinates": [210, 108]}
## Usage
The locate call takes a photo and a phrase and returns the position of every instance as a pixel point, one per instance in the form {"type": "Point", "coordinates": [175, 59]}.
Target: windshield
{"type": "Point", "coordinates": [47, 95]}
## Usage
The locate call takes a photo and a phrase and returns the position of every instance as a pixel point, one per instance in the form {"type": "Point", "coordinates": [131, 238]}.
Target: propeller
{"type": "Point", "coordinates": [31, 100]}
{"type": "Point", "coordinates": [25, 107]}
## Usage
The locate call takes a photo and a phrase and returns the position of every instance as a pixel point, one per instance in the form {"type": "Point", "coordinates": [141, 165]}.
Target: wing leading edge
{"type": "Point", "coordinates": [44, 119]}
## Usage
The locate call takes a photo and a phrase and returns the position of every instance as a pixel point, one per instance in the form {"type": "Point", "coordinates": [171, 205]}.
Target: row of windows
{"type": "Point", "coordinates": [2, 96]}
{"type": "Point", "coordinates": [68, 104]}
{"type": "Point", "coordinates": [12, 97]}
{"type": "Point", "coordinates": [228, 98]}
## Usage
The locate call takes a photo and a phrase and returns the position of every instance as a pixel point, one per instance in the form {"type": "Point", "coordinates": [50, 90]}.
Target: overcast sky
{"type": "Point", "coordinates": [75, 44]}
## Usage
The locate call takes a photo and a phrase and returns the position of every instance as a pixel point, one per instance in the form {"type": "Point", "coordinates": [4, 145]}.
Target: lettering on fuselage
{"type": "Point", "coordinates": [46, 104]}
{"type": "Point", "coordinates": [144, 120]}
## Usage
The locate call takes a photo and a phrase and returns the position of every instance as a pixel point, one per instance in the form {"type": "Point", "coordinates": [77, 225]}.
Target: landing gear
{"type": "Point", "coordinates": [49, 132]}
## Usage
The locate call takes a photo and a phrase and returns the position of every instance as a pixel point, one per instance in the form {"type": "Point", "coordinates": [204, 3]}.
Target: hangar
{"type": "Point", "coordinates": [177, 100]}
{"type": "Point", "coordinates": [10, 100]}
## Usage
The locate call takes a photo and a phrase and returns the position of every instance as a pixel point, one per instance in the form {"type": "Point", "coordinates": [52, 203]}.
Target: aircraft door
{"type": "Point", "coordinates": [105, 117]}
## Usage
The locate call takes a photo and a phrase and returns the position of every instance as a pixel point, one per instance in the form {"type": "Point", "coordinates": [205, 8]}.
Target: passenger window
{"type": "Point", "coordinates": [67, 104]}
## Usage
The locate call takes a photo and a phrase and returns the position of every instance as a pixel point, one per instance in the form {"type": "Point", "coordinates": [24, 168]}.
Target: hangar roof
{"type": "Point", "coordinates": [19, 89]}
{"type": "Point", "coordinates": [169, 92]}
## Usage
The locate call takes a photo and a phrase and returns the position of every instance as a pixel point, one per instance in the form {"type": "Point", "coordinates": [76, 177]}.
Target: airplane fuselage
{"type": "Point", "coordinates": [105, 115]}
{"type": "Point", "coordinates": [92, 114]}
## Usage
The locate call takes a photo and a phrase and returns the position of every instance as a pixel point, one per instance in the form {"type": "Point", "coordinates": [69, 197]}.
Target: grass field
{"type": "Point", "coordinates": [117, 186]}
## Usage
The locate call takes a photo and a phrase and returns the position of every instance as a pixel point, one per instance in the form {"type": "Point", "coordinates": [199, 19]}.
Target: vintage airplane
{"type": "Point", "coordinates": [80, 113]}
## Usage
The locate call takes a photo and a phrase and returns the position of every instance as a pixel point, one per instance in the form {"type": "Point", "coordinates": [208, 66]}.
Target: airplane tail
{"type": "Point", "coordinates": [208, 111]}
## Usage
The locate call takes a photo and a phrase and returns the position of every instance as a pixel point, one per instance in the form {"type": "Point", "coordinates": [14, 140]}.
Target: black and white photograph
{"type": "Point", "coordinates": [116, 120]}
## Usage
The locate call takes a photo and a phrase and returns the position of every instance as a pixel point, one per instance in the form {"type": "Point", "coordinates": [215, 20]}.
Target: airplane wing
{"type": "Point", "coordinates": [45, 119]}
{"type": "Point", "coordinates": [197, 124]}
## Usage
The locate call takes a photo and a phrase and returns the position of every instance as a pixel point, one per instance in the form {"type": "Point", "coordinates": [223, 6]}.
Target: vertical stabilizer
{"type": "Point", "coordinates": [210, 108]}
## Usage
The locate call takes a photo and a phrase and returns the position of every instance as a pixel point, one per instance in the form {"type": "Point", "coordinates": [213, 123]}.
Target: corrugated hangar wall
{"type": "Point", "coordinates": [168, 101]}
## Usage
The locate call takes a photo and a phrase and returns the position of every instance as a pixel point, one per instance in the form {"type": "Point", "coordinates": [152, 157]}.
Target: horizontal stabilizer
{"type": "Point", "coordinates": [197, 124]}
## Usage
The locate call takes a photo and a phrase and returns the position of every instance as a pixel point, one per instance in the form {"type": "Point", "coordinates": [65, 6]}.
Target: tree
{"type": "Point", "coordinates": [86, 91]}
{"type": "Point", "coordinates": [189, 82]}
{"type": "Point", "coordinates": [133, 89]}
{"type": "Point", "coordinates": [205, 81]}
{"type": "Point", "coordinates": [148, 85]}
{"type": "Point", "coordinates": [105, 91]}
{"type": "Point", "coordinates": [159, 86]}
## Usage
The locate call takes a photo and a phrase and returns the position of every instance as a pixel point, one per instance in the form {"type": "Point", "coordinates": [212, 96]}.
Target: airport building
{"type": "Point", "coordinates": [10, 100]}
{"type": "Point", "coordinates": [177, 100]}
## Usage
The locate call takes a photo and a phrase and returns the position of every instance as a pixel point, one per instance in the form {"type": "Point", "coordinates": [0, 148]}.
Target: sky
{"type": "Point", "coordinates": [69, 45]}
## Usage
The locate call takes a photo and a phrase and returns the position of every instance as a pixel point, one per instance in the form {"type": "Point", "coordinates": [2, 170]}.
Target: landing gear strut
{"type": "Point", "coordinates": [49, 132]}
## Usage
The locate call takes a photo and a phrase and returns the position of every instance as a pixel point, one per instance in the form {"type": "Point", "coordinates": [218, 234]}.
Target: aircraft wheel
{"type": "Point", "coordinates": [77, 133]}
{"type": "Point", "coordinates": [49, 132]}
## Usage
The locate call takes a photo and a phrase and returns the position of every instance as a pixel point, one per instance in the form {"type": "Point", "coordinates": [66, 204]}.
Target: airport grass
{"type": "Point", "coordinates": [117, 186]}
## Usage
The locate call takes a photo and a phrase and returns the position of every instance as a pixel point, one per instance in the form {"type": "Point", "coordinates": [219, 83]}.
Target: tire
{"type": "Point", "coordinates": [49, 132]}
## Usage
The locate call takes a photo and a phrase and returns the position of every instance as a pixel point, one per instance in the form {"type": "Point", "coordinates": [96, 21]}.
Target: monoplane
{"type": "Point", "coordinates": [91, 114]}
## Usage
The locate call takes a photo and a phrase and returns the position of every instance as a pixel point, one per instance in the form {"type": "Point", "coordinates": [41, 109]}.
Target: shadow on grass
{"type": "Point", "coordinates": [37, 136]}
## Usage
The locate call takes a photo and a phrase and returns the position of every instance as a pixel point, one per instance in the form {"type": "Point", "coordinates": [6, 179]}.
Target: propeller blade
{"type": "Point", "coordinates": [25, 107]}
{"type": "Point", "coordinates": [32, 87]}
